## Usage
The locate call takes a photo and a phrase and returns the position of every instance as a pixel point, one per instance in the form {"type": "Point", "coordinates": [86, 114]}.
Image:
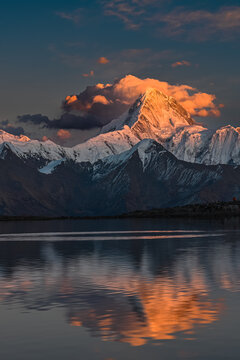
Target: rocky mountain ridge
{"type": "Point", "coordinates": [154, 156]}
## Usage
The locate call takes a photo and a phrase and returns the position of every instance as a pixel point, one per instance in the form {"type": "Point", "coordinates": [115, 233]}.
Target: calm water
{"type": "Point", "coordinates": [120, 289]}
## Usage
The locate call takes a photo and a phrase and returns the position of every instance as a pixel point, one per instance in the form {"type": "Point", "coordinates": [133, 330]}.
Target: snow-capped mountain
{"type": "Point", "coordinates": [26, 148]}
{"type": "Point", "coordinates": [155, 116]}
{"type": "Point", "coordinates": [146, 176]}
{"type": "Point", "coordinates": [221, 146]}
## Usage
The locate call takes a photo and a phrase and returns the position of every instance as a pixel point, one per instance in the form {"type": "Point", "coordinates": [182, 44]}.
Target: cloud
{"type": "Point", "coordinates": [103, 60]}
{"type": "Point", "coordinates": [193, 24]}
{"type": "Point", "coordinates": [63, 134]}
{"type": "Point", "coordinates": [74, 16]}
{"type": "Point", "coordinates": [127, 21]}
{"type": "Point", "coordinates": [97, 105]}
{"type": "Point", "coordinates": [71, 99]}
{"type": "Point", "coordinates": [181, 63]}
{"type": "Point", "coordinates": [90, 74]}
{"type": "Point", "coordinates": [67, 120]}
{"type": "Point", "coordinates": [127, 11]}
{"type": "Point", "coordinates": [121, 62]}
{"type": "Point", "coordinates": [11, 129]}
{"type": "Point", "coordinates": [70, 120]}
{"type": "Point", "coordinates": [201, 24]}
{"type": "Point", "coordinates": [114, 99]}
{"type": "Point", "coordinates": [14, 130]}
{"type": "Point", "coordinates": [100, 99]}
{"type": "Point", "coordinates": [35, 119]}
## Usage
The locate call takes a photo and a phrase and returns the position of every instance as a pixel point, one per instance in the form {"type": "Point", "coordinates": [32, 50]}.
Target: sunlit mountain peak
{"type": "Point", "coordinates": [5, 136]}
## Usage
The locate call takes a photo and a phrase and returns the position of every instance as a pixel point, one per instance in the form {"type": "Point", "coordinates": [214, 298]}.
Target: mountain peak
{"type": "Point", "coordinates": [5, 137]}
{"type": "Point", "coordinates": [150, 92]}
{"type": "Point", "coordinates": [153, 111]}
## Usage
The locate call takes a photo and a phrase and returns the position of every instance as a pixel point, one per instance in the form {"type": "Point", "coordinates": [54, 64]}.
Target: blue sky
{"type": "Point", "coordinates": [46, 47]}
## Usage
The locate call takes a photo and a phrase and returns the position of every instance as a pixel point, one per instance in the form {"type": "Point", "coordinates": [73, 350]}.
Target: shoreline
{"type": "Point", "coordinates": [211, 210]}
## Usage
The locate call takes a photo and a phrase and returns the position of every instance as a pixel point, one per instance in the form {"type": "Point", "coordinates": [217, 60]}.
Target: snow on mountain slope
{"type": "Point", "coordinates": [145, 149]}
{"type": "Point", "coordinates": [154, 156]}
{"type": "Point", "coordinates": [145, 177]}
{"type": "Point", "coordinates": [104, 145]}
{"type": "Point", "coordinates": [148, 176]}
{"type": "Point", "coordinates": [26, 148]}
{"type": "Point", "coordinates": [50, 167]}
{"type": "Point", "coordinates": [199, 145]}
{"type": "Point", "coordinates": [159, 117]}
{"type": "Point", "coordinates": [154, 115]}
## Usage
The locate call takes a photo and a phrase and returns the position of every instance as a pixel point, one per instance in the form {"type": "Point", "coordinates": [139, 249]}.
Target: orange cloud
{"type": "Point", "coordinates": [120, 95]}
{"type": "Point", "coordinates": [63, 134]}
{"type": "Point", "coordinates": [71, 99]}
{"type": "Point", "coordinates": [167, 309]}
{"type": "Point", "coordinates": [103, 60]}
{"type": "Point", "coordinates": [90, 74]}
{"type": "Point", "coordinates": [44, 138]}
{"type": "Point", "coordinates": [181, 63]}
{"type": "Point", "coordinates": [130, 87]}
{"type": "Point", "coordinates": [100, 99]}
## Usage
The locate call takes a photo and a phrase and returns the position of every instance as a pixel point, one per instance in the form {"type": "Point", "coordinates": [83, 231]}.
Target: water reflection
{"type": "Point", "coordinates": [129, 291]}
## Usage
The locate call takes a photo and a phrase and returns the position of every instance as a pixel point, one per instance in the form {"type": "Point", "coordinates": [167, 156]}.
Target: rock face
{"type": "Point", "coordinates": [153, 156]}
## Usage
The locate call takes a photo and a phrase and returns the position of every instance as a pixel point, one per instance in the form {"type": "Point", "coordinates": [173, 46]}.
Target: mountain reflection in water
{"type": "Point", "coordinates": [128, 291]}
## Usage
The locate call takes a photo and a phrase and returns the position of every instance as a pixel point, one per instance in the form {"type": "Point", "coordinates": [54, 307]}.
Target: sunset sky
{"type": "Point", "coordinates": [51, 50]}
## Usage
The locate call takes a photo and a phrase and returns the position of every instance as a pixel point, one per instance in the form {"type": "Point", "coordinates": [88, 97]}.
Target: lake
{"type": "Point", "coordinates": [120, 289]}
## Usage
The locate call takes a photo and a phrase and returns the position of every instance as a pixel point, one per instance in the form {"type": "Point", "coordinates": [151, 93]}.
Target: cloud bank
{"type": "Point", "coordinates": [204, 24]}
{"type": "Point", "coordinates": [97, 105]}
{"type": "Point", "coordinates": [11, 128]}
{"type": "Point", "coordinates": [111, 100]}
{"type": "Point", "coordinates": [67, 120]}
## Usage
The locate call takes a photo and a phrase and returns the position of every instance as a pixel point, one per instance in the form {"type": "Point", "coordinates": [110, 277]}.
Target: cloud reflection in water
{"type": "Point", "coordinates": [129, 291]}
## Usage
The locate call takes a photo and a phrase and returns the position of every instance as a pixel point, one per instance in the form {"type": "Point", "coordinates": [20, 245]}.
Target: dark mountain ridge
{"type": "Point", "coordinates": [143, 178]}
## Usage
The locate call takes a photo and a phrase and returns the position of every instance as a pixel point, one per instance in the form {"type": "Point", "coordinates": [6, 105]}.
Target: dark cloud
{"type": "Point", "coordinates": [72, 121]}
{"type": "Point", "coordinates": [4, 122]}
{"type": "Point", "coordinates": [98, 102]}
{"type": "Point", "coordinates": [97, 105]}
{"type": "Point", "coordinates": [36, 119]}
{"type": "Point", "coordinates": [66, 121]}
{"type": "Point", "coordinates": [14, 130]}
